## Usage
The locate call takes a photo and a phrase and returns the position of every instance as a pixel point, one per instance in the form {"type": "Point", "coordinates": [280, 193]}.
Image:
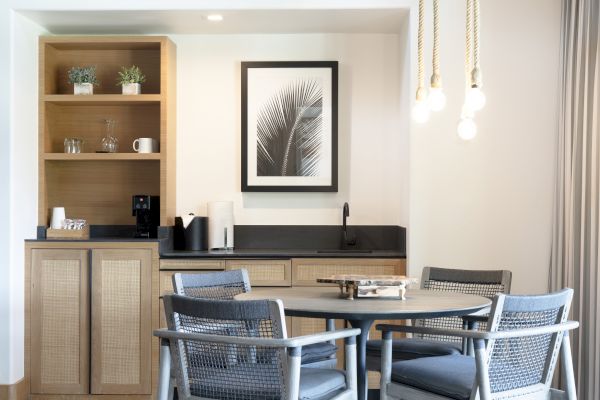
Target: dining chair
{"type": "Point", "coordinates": [515, 356]}
{"type": "Point", "coordinates": [225, 285]}
{"type": "Point", "coordinates": [477, 282]}
{"type": "Point", "coordinates": [239, 350]}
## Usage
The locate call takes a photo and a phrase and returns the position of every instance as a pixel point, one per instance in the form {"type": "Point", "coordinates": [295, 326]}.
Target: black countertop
{"type": "Point", "coordinates": [97, 239]}
{"type": "Point", "coordinates": [282, 253]}
{"type": "Point", "coordinates": [268, 241]}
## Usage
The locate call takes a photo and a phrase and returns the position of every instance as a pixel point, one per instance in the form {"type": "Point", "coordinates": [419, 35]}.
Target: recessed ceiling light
{"type": "Point", "coordinates": [215, 17]}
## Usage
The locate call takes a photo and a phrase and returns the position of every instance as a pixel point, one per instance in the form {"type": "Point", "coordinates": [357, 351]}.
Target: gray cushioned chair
{"type": "Point", "coordinates": [226, 285]}
{"type": "Point", "coordinates": [478, 282]}
{"type": "Point", "coordinates": [239, 350]}
{"type": "Point", "coordinates": [515, 356]}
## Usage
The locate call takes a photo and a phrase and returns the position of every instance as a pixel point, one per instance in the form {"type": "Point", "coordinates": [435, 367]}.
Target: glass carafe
{"type": "Point", "coordinates": [109, 143]}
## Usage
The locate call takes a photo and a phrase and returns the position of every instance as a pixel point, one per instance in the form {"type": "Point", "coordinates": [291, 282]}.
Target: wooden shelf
{"type": "Point", "coordinates": [101, 99]}
{"type": "Point", "coordinates": [100, 156]}
{"type": "Point", "coordinates": [98, 186]}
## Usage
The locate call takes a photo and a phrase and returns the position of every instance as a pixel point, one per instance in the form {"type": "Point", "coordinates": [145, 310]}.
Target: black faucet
{"type": "Point", "coordinates": [348, 240]}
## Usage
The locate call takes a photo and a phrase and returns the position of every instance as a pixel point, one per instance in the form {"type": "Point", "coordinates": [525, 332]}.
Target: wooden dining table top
{"type": "Point", "coordinates": [325, 302]}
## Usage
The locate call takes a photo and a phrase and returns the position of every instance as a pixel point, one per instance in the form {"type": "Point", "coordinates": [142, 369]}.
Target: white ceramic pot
{"type": "Point", "coordinates": [132, 88]}
{"type": "Point", "coordinates": [83, 88]}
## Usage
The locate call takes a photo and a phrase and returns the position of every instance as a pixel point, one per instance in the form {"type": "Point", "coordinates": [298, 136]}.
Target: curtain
{"type": "Point", "coordinates": [575, 241]}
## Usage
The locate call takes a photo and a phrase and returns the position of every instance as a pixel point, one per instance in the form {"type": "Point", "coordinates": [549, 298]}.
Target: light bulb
{"type": "Point", "coordinates": [475, 99]}
{"type": "Point", "coordinates": [437, 99]}
{"type": "Point", "coordinates": [467, 129]}
{"type": "Point", "coordinates": [420, 112]}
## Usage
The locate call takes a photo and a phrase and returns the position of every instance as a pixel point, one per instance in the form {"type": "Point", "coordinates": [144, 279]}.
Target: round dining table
{"type": "Point", "coordinates": [325, 302]}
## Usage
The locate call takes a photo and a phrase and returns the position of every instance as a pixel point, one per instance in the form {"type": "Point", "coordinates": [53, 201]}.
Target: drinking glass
{"type": "Point", "coordinates": [109, 143]}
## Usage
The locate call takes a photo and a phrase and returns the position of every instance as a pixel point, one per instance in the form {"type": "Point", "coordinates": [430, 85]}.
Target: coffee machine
{"type": "Point", "coordinates": [146, 210]}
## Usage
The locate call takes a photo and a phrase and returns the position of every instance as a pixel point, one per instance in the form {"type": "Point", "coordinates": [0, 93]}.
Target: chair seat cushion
{"type": "Point", "coordinates": [261, 381]}
{"type": "Point", "coordinates": [451, 376]}
{"type": "Point", "coordinates": [317, 352]}
{"type": "Point", "coordinates": [321, 384]}
{"type": "Point", "coordinates": [408, 349]}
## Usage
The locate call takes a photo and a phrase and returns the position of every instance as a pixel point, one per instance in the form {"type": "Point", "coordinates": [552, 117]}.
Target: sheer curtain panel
{"type": "Point", "coordinates": [575, 242]}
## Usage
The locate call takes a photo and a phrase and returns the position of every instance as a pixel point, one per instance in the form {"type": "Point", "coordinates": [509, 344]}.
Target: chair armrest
{"type": "Point", "coordinates": [323, 337]}
{"type": "Point", "coordinates": [470, 334]}
{"type": "Point", "coordinates": [249, 341]}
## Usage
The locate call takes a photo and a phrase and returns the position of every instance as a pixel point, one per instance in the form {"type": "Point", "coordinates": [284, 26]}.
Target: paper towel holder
{"type": "Point", "coordinates": [220, 225]}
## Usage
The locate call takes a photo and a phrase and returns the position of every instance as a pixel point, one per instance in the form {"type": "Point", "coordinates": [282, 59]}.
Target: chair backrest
{"type": "Point", "coordinates": [224, 285]}
{"type": "Point", "coordinates": [477, 282]}
{"type": "Point", "coordinates": [222, 370]}
{"type": "Point", "coordinates": [516, 364]}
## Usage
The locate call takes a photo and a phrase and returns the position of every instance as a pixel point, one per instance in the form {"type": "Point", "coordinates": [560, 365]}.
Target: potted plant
{"type": "Point", "coordinates": [83, 79]}
{"type": "Point", "coordinates": [131, 79]}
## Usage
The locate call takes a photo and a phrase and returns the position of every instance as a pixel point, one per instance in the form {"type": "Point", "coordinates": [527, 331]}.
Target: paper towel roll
{"type": "Point", "coordinates": [220, 225]}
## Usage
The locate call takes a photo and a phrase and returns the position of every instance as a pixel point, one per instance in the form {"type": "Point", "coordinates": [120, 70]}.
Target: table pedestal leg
{"type": "Point", "coordinates": [361, 355]}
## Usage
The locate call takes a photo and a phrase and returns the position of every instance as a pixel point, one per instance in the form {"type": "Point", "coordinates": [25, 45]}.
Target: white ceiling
{"type": "Point", "coordinates": [235, 21]}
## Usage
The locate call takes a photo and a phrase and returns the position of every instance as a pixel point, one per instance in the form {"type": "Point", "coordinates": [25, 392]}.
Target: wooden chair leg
{"type": "Point", "coordinates": [483, 377]}
{"type": "Point", "coordinates": [386, 364]}
{"type": "Point", "coordinates": [566, 362]}
{"type": "Point", "coordinates": [351, 379]}
{"type": "Point", "coordinates": [293, 383]}
{"type": "Point", "coordinates": [165, 384]}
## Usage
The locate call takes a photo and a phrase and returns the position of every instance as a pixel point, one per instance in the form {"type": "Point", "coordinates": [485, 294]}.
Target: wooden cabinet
{"type": "Point", "coordinates": [265, 272]}
{"type": "Point", "coordinates": [98, 186]}
{"type": "Point", "coordinates": [121, 322]}
{"type": "Point", "coordinates": [60, 322]}
{"type": "Point", "coordinates": [307, 270]}
{"type": "Point", "coordinates": [90, 318]}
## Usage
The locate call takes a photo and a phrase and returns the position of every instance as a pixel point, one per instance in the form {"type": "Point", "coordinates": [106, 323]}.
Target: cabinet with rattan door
{"type": "Point", "coordinates": [121, 321]}
{"type": "Point", "coordinates": [89, 319]}
{"type": "Point", "coordinates": [60, 321]}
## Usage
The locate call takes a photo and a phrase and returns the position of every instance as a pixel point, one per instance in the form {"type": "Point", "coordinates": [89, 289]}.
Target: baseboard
{"type": "Point", "coordinates": [16, 391]}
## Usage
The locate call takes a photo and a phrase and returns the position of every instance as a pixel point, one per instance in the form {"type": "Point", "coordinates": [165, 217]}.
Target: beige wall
{"type": "Point", "coordinates": [481, 204]}
{"type": "Point", "coordinates": [487, 203]}
{"type": "Point", "coordinates": [373, 127]}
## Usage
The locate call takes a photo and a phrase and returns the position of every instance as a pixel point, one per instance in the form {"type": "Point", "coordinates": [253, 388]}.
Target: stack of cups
{"type": "Point", "coordinates": [58, 218]}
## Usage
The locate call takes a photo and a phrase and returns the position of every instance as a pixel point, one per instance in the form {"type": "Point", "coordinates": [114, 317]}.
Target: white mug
{"type": "Point", "coordinates": [58, 217]}
{"type": "Point", "coordinates": [145, 145]}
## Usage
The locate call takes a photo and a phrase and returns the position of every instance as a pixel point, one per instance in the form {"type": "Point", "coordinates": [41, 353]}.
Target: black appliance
{"type": "Point", "coordinates": [146, 210]}
{"type": "Point", "coordinates": [194, 237]}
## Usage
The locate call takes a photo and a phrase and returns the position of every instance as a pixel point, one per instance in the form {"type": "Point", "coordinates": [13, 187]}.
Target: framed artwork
{"type": "Point", "coordinates": [289, 126]}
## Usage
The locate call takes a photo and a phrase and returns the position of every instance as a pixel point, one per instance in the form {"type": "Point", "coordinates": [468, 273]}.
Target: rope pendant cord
{"type": "Point", "coordinates": [468, 40]}
{"type": "Point", "coordinates": [420, 61]}
{"type": "Point", "coordinates": [436, 79]}
{"type": "Point", "coordinates": [476, 73]}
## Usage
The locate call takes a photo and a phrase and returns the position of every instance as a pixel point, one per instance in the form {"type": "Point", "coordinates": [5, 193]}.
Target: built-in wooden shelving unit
{"type": "Point", "coordinates": [65, 99]}
{"type": "Point", "coordinates": [98, 186]}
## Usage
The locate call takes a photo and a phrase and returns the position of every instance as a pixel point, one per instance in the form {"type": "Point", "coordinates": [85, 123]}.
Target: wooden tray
{"type": "Point", "coordinates": [373, 286]}
{"type": "Point", "coordinates": [69, 234]}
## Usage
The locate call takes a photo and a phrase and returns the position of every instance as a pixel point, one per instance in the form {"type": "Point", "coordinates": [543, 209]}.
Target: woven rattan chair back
{"type": "Point", "coordinates": [516, 364]}
{"type": "Point", "coordinates": [222, 370]}
{"type": "Point", "coordinates": [223, 285]}
{"type": "Point", "coordinates": [476, 282]}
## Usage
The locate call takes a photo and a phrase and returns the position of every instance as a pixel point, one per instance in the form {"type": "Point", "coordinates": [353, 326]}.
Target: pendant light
{"type": "Point", "coordinates": [467, 129]}
{"type": "Point", "coordinates": [420, 112]}
{"type": "Point", "coordinates": [475, 97]}
{"type": "Point", "coordinates": [437, 98]}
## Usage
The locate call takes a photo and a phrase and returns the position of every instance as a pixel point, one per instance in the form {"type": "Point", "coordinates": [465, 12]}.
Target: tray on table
{"type": "Point", "coordinates": [370, 286]}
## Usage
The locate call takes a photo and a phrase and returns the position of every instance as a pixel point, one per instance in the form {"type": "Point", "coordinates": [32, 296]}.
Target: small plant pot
{"type": "Point", "coordinates": [132, 88]}
{"type": "Point", "coordinates": [83, 88]}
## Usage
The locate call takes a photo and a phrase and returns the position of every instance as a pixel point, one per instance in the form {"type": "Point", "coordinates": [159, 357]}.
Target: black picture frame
{"type": "Point", "coordinates": [332, 185]}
